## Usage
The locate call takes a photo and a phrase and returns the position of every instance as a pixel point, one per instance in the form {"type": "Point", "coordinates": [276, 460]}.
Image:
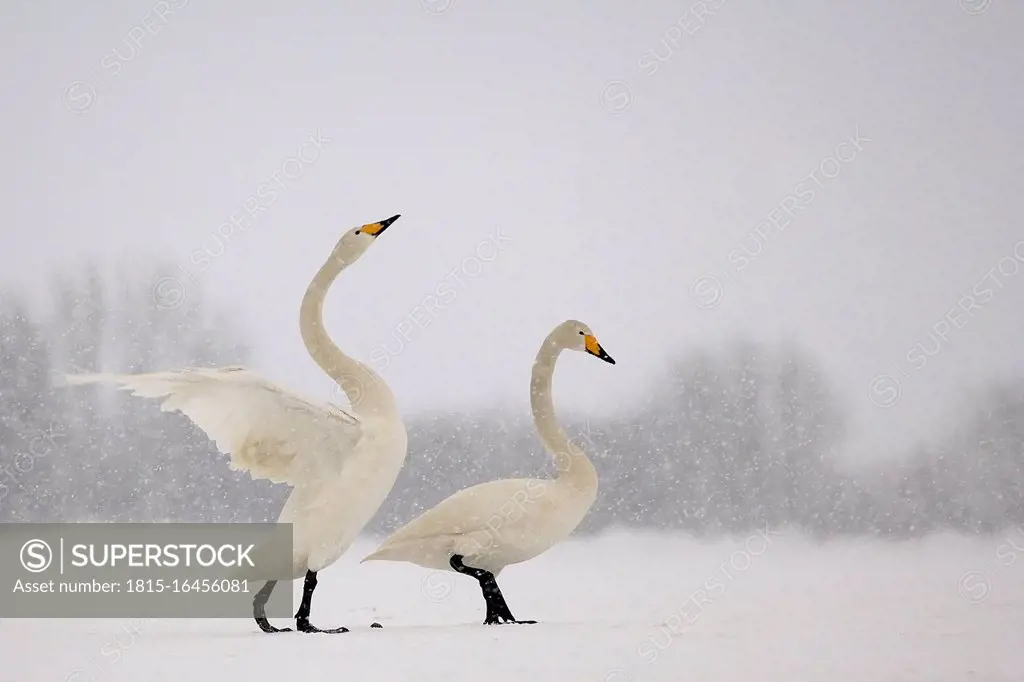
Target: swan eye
{"type": "Point", "coordinates": [582, 334]}
{"type": "Point", "coordinates": [359, 231]}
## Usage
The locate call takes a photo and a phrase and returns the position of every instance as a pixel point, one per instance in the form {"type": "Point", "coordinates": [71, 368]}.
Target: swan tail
{"type": "Point", "coordinates": [383, 554]}
{"type": "Point", "coordinates": [426, 552]}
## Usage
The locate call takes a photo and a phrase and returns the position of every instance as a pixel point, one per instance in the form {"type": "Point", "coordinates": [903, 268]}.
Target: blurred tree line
{"type": "Point", "coordinates": [729, 441]}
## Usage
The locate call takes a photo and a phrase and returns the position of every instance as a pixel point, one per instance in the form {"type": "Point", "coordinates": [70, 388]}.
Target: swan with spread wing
{"type": "Point", "coordinates": [341, 465]}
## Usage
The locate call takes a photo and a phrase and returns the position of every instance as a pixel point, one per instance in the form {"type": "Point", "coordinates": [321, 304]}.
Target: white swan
{"type": "Point", "coordinates": [342, 466]}
{"type": "Point", "coordinates": [482, 529]}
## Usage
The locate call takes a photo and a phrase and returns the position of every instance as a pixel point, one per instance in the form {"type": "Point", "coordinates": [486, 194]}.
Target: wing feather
{"type": "Point", "coordinates": [268, 431]}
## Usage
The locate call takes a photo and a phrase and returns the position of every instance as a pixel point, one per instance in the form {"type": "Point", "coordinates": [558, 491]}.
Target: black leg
{"type": "Point", "coordinates": [259, 605]}
{"type": "Point", "coordinates": [498, 612]}
{"type": "Point", "coordinates": [302, 615]}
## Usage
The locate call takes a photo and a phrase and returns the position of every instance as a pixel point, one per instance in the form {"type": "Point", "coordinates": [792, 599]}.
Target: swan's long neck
{"type": "Point", "coordinates": [574, 468]}
{"type": "Point", "coordinates": [366, 392]}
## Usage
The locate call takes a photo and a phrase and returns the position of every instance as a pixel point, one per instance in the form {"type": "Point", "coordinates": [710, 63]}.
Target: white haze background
{"type": "Point", "coordinates": [489, 117]}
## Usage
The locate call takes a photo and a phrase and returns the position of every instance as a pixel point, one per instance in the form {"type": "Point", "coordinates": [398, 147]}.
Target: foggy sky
{"type": "Point", "coordinates": [616, 181]}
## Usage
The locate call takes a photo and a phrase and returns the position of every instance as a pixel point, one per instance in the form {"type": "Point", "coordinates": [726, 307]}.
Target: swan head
{"type": "Point", "coordinates": [574, 335]}
{"type": "Point", "coordinates": [356, 241]}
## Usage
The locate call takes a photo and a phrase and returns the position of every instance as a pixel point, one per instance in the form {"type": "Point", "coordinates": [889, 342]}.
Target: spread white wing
{"type": "Point", "coordinates": [268, 431]}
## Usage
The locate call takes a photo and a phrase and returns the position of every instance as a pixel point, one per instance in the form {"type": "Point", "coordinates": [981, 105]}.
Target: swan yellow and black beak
{"type": "Point", "coordinates": [594, 348]}
{"type": "Point", "coordinates": [377, 229]}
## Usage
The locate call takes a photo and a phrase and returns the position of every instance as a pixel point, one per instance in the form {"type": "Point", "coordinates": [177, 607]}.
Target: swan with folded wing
{"type": "Point", "coordinates": [482, 529]}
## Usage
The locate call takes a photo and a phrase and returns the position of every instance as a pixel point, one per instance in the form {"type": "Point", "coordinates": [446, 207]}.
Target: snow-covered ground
{"type": "Point", "coordinates": [617, 608]}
